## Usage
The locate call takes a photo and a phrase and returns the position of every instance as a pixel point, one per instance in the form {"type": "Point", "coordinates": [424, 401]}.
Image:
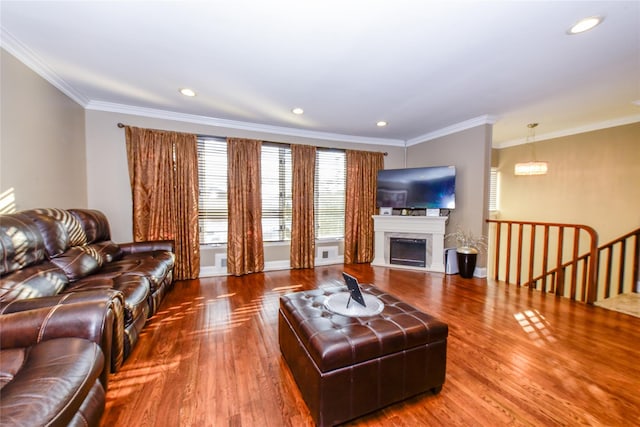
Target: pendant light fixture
{"type": "Point", "coordinates": [532, 167]}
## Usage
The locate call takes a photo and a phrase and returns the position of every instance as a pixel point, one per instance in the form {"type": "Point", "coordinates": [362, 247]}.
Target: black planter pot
{"type": "Point", "coordinates": [466, 264]}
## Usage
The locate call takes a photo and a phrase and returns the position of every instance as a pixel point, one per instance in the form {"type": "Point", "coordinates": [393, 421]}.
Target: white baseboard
{"type": "Point", "coordinates": [480, 272]}
{"type": "Point", "coordinates": [213, 271]}
{"type": "Point", "coordinates": [277, 265]}
{"type": "Point", "coordinates": [329, 261]}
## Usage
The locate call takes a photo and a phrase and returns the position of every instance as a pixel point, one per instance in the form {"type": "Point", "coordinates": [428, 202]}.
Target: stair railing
{"type": "Point", "coordinates": [617, 253]}
{"type": "Point", "coordinates": [553, 260]}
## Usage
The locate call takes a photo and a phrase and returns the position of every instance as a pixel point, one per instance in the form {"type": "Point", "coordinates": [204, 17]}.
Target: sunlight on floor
{"type": "Point", "coordinates": [287, 288]}
{"type": "Point", "coordinates": [138, 374]}
{"type": "Point", "coordinates": [221, 317]}
{"type": "Point", "coordinates": [225, 296]}
{"type": "Point", "coordinates": [535, 325]}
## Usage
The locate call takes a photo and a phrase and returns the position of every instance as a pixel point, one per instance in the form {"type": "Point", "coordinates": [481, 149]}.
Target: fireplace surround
{"type": "Point", "coordinates": [428, 228]}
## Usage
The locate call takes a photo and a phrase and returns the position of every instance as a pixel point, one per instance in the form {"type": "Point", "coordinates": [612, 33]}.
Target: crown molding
{"type": "Point", "coordinates": [33, 61]}
{"type": "Point", "coordinates": [28, 57]}
{"type": "Point", "coordinates": [573, 131]}
{"type": "Point", "coordinates": [234, 124]}
{"type": "Point", "coordinates": [458, 127]}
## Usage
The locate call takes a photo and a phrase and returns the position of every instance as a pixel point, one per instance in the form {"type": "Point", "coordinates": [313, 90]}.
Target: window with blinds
{"type": "Point", "coordinates": [493, 190]}
{"type": "Point", "coordinates": [330, 189]}
{"type": "Point", "coordinates": [276, 176]}
{"type": "Point", "coordinates": [276, 192]}
{"type": "Point", "coordinates": [212, 201]}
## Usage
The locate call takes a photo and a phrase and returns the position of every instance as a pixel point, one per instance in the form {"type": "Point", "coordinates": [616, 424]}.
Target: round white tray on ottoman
{"type": "Point", "coordinates": [340, 303]}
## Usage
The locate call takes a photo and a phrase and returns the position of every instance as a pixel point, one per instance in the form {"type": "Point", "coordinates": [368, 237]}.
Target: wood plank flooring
{"type": "Point", "coordinates": [210, 356]}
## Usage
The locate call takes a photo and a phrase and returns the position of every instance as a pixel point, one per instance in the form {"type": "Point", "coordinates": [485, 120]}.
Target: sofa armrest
{"type": "Point", "coordinates": [100, 295]}
{"type": "Point", "coordinates": [153, 245]}
{"type": "Point", "coordinates": [100, 320]}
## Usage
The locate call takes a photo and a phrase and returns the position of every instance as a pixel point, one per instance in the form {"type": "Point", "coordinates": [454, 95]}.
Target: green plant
{"type": "Point", "coordinates": [467, 242]}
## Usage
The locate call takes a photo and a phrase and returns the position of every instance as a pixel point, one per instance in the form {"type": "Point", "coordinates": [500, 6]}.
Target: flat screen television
{"type": "Point", "coordinates": [417, 188]}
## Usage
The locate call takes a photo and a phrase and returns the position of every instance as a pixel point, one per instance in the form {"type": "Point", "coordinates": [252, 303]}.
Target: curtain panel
{"type": "Point", "coordinates": [362, 170]}
{"type": "Point", "coordinates": [303, 236]}
{"type": "Point", "coordinates": [163, 171]}
{"type": "Point", "coordinates": [245, 249]}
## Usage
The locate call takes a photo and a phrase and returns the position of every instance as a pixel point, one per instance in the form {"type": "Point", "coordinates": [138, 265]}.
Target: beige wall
{"type": "Point", "coordinates": [470, 152]}
{"type": "Point", "coordinates": [42, 151]}
{"type": "Point", "coordinates": [593, 179]}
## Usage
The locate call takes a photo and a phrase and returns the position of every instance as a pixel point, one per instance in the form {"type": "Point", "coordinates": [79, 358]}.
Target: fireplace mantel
{"type": "Point", "coordinates": [431, 228]}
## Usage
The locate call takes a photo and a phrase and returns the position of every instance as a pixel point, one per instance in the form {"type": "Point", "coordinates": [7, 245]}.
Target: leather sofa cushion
{"type": "Point", "coordinates": [54, 234]}
{"type": "Point", "coordinates": [20, 243]}
{"type": "Point", "coordinates": [153, 265]}
{"type": "Point", "coordinates": [80, 261]}
{"type": "Point", "coordinates": [94, 224]}
{"type": "Point", "coordinates": [50, 384]}
{"type": "Point", "coordinates": [135, 290]}
{"type": "Point", "coordinates": [70, 224]}
{"type": "Point", "coordinates": [41, 280]}
{"type": "Point", "coordinates": [10, 363]}
{"type": "Point", "coordinates": [335, 341]}
{"type": "Point", "coordinates": [77, 262]}
{"type": "Point", "coordinates": [107, 250]}
{"type": "Point", "coordinates": [91, 410]}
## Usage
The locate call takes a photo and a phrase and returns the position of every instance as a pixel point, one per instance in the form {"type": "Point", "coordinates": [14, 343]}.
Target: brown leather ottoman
{"type": "Point", "coordinates": [346, 367]}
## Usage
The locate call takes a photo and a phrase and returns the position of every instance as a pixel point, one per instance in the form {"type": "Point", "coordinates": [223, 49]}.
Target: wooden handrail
{"type": "Point", "coordinates": [630, 241]}
{"type": "Point", "coordinates": [582, 282]}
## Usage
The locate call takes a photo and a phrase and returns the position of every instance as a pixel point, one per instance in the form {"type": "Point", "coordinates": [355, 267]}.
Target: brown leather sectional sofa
{"type": "Point", "coordinates": [72, 304]}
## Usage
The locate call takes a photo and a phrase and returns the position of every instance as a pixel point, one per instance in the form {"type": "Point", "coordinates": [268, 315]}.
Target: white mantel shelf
{"type": "Point", "coordinates": [432, 228]}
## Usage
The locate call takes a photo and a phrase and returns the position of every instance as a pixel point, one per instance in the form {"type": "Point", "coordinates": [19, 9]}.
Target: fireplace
{"type": "Point", "coordinates": [429, 229]}
{"type": "Point", "coordinates": [403, 251]}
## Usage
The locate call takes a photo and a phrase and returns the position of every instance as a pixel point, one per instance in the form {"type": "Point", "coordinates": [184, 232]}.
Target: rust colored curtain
{"type": "Point", "coordinates": [303, 236]}
{"type": "Point", "coordinates": [245, 251]}
{"type": "Point", "coordinates": [163, 170]}
{"type": "Point", "coordinates": [362, 170]}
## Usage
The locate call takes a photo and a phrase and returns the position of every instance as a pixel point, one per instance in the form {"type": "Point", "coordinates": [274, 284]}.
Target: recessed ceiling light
{"type": "Point", "coordinates": [585, 24]}
{"type": "Point", "coordinates": [297, 111]}
{"type": "Point", "coordinates": [187, 92]}
{"type": "Point", "coordinates": [381, 124]}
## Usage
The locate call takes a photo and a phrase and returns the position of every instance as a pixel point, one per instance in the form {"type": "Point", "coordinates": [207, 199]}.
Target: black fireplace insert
{"type": "Point", "coordinates": [403, 251]}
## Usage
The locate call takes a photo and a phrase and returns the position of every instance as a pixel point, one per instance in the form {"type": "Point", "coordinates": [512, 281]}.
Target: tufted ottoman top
{"type": "Point", "coordinates": [335, 341]}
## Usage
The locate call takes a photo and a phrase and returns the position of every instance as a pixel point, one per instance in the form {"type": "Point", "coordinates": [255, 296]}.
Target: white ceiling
{"type": "Point", "coordinates": [426, 67]}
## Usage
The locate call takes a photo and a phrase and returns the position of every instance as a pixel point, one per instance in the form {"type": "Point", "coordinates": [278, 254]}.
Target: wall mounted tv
{"type": "Point", "coordinates": [417, 188]}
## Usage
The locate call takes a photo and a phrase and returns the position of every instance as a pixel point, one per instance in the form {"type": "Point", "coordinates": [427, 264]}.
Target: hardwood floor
{"type": "Point", "coordinates": [210, 356]}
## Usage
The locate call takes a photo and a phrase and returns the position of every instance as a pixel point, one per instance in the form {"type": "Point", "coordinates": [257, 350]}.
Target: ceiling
{"type": "Point", "coordinates": [425, 67]}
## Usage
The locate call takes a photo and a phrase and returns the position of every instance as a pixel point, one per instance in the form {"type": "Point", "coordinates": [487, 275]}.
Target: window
{"type": "Point", "coordinates": [330, 188]}
{"type": "Point", "coordinates": [493, 190]}
{"type": "Point", "coordinates": [212, 175]}
{"type": "Point", "coordinates": [276, 178]}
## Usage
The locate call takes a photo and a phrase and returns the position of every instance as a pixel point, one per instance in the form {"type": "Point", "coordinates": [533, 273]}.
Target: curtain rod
{"type": "Point", "coordinates": [122, 125]}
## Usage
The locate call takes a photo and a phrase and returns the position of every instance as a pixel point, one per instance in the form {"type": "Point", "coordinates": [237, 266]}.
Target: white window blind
{"type": "Point", "coordinates": [212, 202]}
{"type": "Point", "coordinates": [276, 175]}
{"type": "Point", "coordinates": [493, 190]}
{"type": "Point", "coordinates": [330, 190]}
{"type": "Point", "coordinates": [276, 192]}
